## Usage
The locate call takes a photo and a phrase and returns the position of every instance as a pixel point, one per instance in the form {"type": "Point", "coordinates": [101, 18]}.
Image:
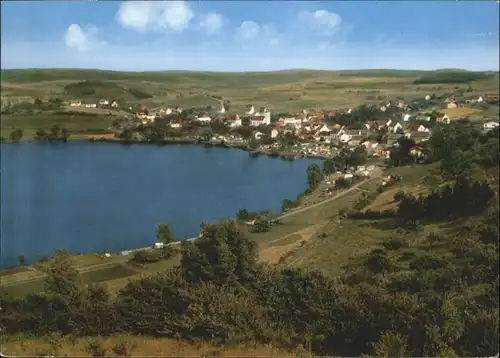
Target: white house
{"type": "Point", "coordinates": [291, 120]}
{"type": "Point", "coordinates": [75, 103]}
{"type": "Point", "coordinates": [443, 119]}
{"type": "Point", "coordinates": [258, 135]}
{"type": "Point", "coordinates": [103, 102]}
{"type": "Point", "coordinates": [344, 138]}
{"type": "Point", "coordinates": [90, 105]}
{"type": "Point", "coordinates": [168, 111]}
{"type": "Point", "coordinates": [490, 125]}
{"type": "Point", "coordinates": [236, 122]}
{"type": "Point", "coordinates": [260, 120]}
{"type": "Point", "coordinates": [383, 108]}
{"type": "Point", "coordinates": [323, 130]}
{"type": "Point", "coordinates": [274, 133]}
{"type": "Point", "coordinates": [251, 111]}
{"type": "Point", "coordinates": [480, 99]}
{"type": "Point", "coordinates": [114, 104]}
{"type": "Point", "coordinates": [451, 105]}
{"type": "Point", "coordinates": [427, 97]}
{"type": "Point", "coordinates": [222, 110]}
{"type": "Point", "coordinates": [397, 126]}
{"type": "Point", "coordinates": [204, 119]}
{"type": "Point", "coordinates": [421, 128]}
{"type": "Point", "coordinates": [175, 125]}
{"type": "Point", "coordinates": [406, 117]}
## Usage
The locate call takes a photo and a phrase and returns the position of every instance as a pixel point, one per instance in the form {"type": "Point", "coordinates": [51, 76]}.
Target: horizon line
{"type": "Point", "coordinates": [249, 71]}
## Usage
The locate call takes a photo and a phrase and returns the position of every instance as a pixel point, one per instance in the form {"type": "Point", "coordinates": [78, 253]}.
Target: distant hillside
{"type": "Point", "coordinates": [175, 77]}
{"type": "Point", "coordinates": [103, 89]}
{"type": "Point", "coordinates": [450, 76]}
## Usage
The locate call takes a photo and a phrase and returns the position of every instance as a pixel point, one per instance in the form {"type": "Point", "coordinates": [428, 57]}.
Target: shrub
{"type": "Point", "coordinates": [395, 243]}
{"type": "Point", "coordinates": [400, 195]}
{"type": "Point", "coordinates": [95, 348]}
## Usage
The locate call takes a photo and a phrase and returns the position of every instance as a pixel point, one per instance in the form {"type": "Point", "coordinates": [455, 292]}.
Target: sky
{"type": "Point", "coordinates": [250, 35]}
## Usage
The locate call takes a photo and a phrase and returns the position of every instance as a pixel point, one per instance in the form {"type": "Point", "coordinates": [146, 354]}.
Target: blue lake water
{"type": "Point", "coordinates": [94, 197]}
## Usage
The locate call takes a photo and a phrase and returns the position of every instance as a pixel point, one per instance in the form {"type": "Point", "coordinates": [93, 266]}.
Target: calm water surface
{"type": "Point", "coordinates": [94, 197]}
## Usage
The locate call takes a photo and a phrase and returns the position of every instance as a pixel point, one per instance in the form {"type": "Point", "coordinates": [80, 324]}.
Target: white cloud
{"type": "Point", "coordinates": [321, 20]}
{"type": "Point", "coordinates": [82, 39]}
{"type": "Point", "coordinates": [211, 23]}
{"type": "Point", "coordinates": [155, 15]}
{"type": "Point", "coordinates": [249, 30]}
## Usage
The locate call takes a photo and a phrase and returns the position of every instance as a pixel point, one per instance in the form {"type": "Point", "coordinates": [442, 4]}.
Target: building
{"type": "Point", "coordinates": [490, 125]}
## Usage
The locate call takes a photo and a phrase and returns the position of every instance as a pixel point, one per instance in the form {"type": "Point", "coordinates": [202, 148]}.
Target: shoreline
{"type": "Point", "coordinates": [253, 153]}
{"type": "Point", "coordinates": [183, 141]}
{"type": "Point", "coordinates": [124, 253]}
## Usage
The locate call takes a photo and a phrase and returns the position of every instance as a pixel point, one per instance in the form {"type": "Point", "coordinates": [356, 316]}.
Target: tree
{"type": "Point", "coordinates": [61, 276]}
{"type": "Point", "coordinates": [455, 165]}
{"type": "Point", "coordinates": [21, 260]}
{"type": "Point", "coordinates": [391, 345]}
{"type": "Point", "coordinates": [242, 214]}
{"type": "Point", "coordinates": [55, 131]}
{"type": "Point", "coordinates": [261, 225]}
{"type": "Point", "coordinates": [16, 135]}
{"type": "Point", "coordinates": [314, 175]}
{"type": "Point", "coordinates": [254, 143]}
{"type": "Point", "coordinates": [40, 134]}
{"type": "Point", "coordinates": [64, 135]}
{"type": "Point", "coordinates": [38, 102]}
{"type": "Point", "coordinates": [164, 234]}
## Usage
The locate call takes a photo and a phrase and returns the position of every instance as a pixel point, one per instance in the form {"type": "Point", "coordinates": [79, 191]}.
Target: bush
{"type": "Point", "coordinates": [153, 255]}
{"type": "Point", "coordinates": [400, 195]}
{"type": "Point", "coordinates": [370, 214]}
{"type": "Point", "coordinates": [261, 225]}
{"type": "Point", "coordinates": [395, 244]}
{"type": "Point", "coordinates": [137, 93]}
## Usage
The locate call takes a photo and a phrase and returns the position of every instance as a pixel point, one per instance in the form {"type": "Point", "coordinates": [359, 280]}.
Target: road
{"type": "Point", "coordinates": [10, 280]}
{"type": "Point", "coordinates": [338, 196]}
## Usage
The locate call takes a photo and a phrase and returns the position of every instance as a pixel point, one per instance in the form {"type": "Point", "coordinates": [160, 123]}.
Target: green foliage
{"type": "Point", "coordinates": [16, 135]}
{"type": "Point", "coordinates": [391, 345]}
{"type": "Point", "coordinates": [314, 175]}
{"type": "Point", "coordinates": [61, 276]}
{"type": "Point", "coordinates": [450, 77]}
{"type": "Point", "coordinates": [288, 204]}
{"type": "Point", "coordinates": [139, 94]}
{"type": "Point", "coordinates": [261, 225]}
{"type": "Point", "coordinates": [164, 234]}
{"type": "Point", "coordinates": [464, 198]}
{"type": "Point", "coordinates": [92, 88]}
{"type": "Point", "coordinates": [221, 293]}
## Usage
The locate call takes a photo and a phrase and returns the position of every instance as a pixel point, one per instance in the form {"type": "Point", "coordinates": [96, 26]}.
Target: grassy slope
{"type": "Point", "coordinates": [279, 90]}
{"type": "Point", "coordinates": [139, 346]}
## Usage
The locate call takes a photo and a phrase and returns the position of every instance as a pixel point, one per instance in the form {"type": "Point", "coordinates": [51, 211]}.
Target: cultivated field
{"type": "Point", "coordinates": [280, 91]}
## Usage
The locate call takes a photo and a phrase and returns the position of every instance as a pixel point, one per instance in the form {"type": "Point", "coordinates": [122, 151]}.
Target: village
{"type": "Point", "coordinates": [310, 133]}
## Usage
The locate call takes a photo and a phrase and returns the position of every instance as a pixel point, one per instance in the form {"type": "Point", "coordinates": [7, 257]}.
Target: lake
{"type": "Point", "coordinates": [94, 197]}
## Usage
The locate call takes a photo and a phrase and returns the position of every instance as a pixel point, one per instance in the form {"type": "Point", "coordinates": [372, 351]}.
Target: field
{"type": "Point", "coordinates": [320, 240]}
{"type": "Point", "coordinates": [280, 91]}
{"type": "Point", "coordinates": [78, 126]}
{"type": "Point", "coordinates": [137, 346]}
{"type": "Point", "coordinates": [460, 112]}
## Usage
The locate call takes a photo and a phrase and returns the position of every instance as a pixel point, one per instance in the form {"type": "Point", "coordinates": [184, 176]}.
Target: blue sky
{"type": "Point", "coordinates": [250, 35]}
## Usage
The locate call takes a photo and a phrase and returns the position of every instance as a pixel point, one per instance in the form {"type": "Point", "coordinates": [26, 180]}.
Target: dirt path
{"type": "Point", "coordinates": [272, 255]}
{"type": "Point", "coordinates": [339, 195]}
